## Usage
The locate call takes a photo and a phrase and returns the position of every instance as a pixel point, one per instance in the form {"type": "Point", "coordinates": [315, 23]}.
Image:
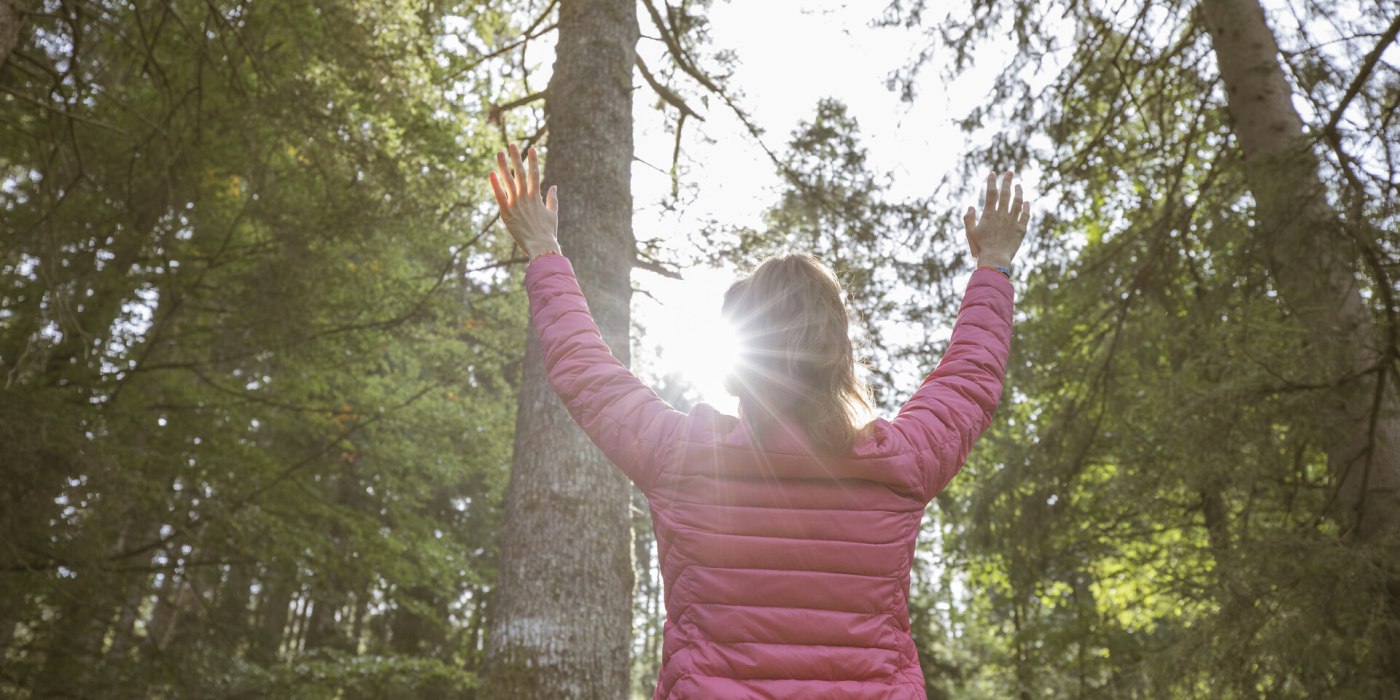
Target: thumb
{"type": "Point", "coordinates": [969, 223]}
{"type": "Point", "coordinates": [551, 199]}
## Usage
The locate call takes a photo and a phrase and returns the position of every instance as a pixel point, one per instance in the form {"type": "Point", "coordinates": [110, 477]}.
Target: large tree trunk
{"type": "Point", "coordinates": [12, 14]}
{"type": "Point", "coordinates": [1311, 259]}
{"type": "Point", "coordinates": [560, 620]}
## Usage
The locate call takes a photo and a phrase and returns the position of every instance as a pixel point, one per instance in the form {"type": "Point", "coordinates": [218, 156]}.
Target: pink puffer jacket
{"type": "Point", "coordinates": [785, 576]}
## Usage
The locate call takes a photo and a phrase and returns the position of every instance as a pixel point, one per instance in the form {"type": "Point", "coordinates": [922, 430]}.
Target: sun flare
{"type": "Point", "coordinates": [691, 337]}
{"type": "Point", "coordinates": [705, 354]}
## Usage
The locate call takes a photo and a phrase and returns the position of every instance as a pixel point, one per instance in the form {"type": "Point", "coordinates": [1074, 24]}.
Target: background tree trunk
{"type": "Point", "coordinates": [273, 611]}
{"type": "Point", "coordinates": [12, 14]}
{"type": "Point", "coordinates": [561, 612]}
{"type": "Point", "coordinates": [1311, 260]}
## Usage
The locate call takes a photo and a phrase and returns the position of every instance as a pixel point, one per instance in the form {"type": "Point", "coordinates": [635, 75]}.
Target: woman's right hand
{"type": "Point", "coordinates": [531, 220]}
{"type": "Point", "coordinates": [995, 237]}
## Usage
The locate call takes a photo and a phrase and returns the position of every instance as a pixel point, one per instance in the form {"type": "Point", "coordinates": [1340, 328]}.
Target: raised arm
{"type": "Point", "coordinates": [955, 404]}
{"type": "Point", "coordinates": [624, 418]}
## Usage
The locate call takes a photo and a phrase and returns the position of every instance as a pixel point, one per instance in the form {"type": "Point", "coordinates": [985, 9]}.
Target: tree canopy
{"type": "Point", "coordinates": [258, 382]}
{"type": "Point", "coordinates": [261, 351]}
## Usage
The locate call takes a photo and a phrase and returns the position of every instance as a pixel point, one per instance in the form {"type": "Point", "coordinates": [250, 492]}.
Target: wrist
{"type": "Point", "coordinates": [994, 261]}
{"type": "Point", "coordinates": [550, 248]}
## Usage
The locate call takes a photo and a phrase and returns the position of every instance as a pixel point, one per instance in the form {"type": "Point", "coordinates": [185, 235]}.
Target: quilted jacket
{"type": "Point", "coordinates": [786, 576]}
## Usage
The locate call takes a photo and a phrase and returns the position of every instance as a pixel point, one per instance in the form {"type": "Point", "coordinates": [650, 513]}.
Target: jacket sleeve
{"type": "Point", "coordinates": [955, 404]}
{"type": "Point", "coordinates": [624, 418]}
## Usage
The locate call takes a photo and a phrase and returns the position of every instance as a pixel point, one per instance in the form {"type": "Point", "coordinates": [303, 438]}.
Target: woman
{"type": "Point", "coordinates": [784, 535]}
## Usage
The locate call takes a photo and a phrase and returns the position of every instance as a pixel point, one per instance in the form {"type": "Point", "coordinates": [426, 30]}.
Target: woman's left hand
{"type": "Point", "coordinates": [533, 222]}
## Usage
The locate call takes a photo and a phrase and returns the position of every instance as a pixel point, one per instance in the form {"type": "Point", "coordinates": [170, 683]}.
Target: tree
{"type": "Point", "coordinates": [1312, 252]}
{"type": "Point", "coordinates": [561, 609]}
{"type": "Point", "coordinates": [1163, 508]}
{"type": "Point", "coordinates": [257, 388]}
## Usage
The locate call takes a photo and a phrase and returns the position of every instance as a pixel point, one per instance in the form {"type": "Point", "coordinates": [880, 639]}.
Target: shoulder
{"type": "Point", "coordinates": [878, 439]}
{"type": "Point", "coordinates": [709, 424]}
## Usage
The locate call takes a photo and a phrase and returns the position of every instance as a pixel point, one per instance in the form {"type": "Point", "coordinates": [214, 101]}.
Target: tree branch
{"type": "Point", "coordinates": [683, 62]}
{"type": "Point", "coordinates": [652, 265]}
{"type": "Point", "coordinates": [496, 115]}
{"type": "Point", "coordinates": [239, 503]}
{"type": "Point", "coordinates": [1368, 65]}
{"type": "Point", "coordinates": [529, 34]}
{"type": "Point", "coordinates": [666, 93]}
{"type": "Point", "coordinates": [676, 158]}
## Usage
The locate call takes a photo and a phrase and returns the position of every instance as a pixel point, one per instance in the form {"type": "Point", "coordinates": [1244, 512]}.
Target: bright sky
{"type": "Point", "coordinates": [791, 54]}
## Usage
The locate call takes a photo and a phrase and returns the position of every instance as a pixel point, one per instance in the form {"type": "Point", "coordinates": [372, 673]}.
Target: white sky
{"type": "Point", "coordinates": [791, 54]}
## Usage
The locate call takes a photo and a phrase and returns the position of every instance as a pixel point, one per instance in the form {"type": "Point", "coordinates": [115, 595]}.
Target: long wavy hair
{"type": "Point", "coordinates": [795, 357]}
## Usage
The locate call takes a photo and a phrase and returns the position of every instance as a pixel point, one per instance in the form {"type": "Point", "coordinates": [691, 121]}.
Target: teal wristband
{"type": "Point", "coordinates": [999, 268]}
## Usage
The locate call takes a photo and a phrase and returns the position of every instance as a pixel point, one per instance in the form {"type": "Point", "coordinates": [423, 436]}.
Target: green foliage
{"type": "Point", "coordinates": [257, 406]}
{"type": "Point", "coordinates": [1149, 515]}
{"type": "Point", "coordinates": [260, 357]}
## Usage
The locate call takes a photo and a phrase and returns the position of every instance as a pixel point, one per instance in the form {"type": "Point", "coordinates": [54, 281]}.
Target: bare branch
{"type": "Point", "coordinates": [666, 93]}
{"type": "Point", "coordinates": [496, 115]}
{"type": "Point", "coordinates": [676, 158]}
{"type": "Point", "coordinates": [647, 263]}
{"type": "Point", "coordinates": [1368, 65]}
{"type": "Point", "coordinates": [683, 62]}
{"type": "Point", "coordinates": [530, 33]}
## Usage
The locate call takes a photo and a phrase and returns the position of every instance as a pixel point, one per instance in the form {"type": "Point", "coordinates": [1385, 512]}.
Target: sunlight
{"type": "Point", "coordinates": [688, 334]}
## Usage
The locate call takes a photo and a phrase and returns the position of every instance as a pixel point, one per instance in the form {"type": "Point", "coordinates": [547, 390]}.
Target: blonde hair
{"type": "Point", "coordinates": [796, 358]}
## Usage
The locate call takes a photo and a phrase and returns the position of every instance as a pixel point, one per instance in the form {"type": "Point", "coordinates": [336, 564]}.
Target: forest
{"type": "Point", "coordinates": [273, 423]}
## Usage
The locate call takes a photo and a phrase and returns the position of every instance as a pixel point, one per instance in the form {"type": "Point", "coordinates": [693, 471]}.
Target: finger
{"type": "Point", "coordinates": [505, 177]}
{"type": "Point", "coordinates": [1004, 201]}
{"type": "Point", "coordinates": [990, 202]}
{"type": "Point", "coordinates": [501, 197]}
{"type": "Point", "coordinates": [1016, 203]}
{"type": "Point", "coordinates": [519, 170]}
{"type": "Point", "coordinates": [551, 200]}
{"type": "Point", "coordinates": [534, 158]}
{"type": "Point", "coordinates": [1025, 217]}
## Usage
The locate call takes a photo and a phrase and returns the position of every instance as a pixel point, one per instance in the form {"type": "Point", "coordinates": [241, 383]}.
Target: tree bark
{"type": "Point", "coordinates": [560, 622]}
{"type": "Point", "coordinates": [1311, 260]}
{"type": "Point", "coordinates": [273, 606]}
{"type": "Point", "coordinates": [12, 14]}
